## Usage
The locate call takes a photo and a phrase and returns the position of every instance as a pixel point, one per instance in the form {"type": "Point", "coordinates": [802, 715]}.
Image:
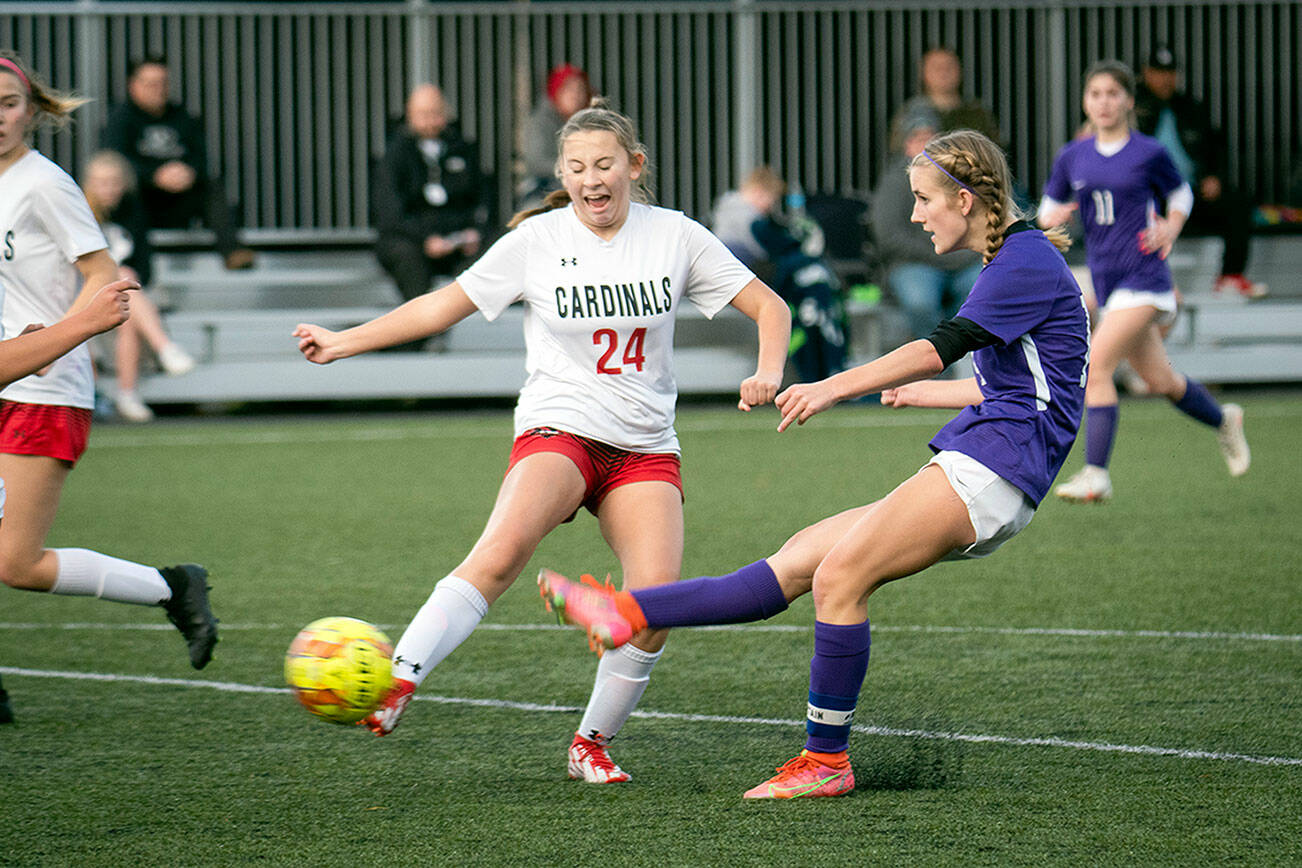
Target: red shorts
{"type": "Point", "coordinates": [604, 467]}
{"type": "Point", "coordinates": [44, 429]}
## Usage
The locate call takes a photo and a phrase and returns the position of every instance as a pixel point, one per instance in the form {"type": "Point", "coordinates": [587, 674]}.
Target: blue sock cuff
{"type": "Point", "coordinates": [760, 579]}
{"type": "Point", "coordinates": [841, 640]}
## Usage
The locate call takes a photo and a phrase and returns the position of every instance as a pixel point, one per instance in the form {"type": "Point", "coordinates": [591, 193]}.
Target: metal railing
{"type": "Point", "coordinates": [296, 98]}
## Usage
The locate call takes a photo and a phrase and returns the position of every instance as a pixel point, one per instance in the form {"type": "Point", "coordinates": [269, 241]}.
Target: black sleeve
{"type": "Point", "coordinates": [955, 338]}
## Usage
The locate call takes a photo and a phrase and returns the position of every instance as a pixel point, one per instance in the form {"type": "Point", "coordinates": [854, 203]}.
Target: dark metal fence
{"type": "Point", "coordinates": [297, 97]}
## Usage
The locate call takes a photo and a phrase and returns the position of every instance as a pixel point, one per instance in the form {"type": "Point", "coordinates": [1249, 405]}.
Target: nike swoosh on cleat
{"type": "Point", "coordinates": [797, 792]}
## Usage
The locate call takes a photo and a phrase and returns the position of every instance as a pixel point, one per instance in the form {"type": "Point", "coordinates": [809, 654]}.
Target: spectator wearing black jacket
{"type": "Point", "coordinates": [1184, 126]}
{"type": "Point", "coordinates": [428, 197]}
{"type": "Point", "coordinates": [165, 146]}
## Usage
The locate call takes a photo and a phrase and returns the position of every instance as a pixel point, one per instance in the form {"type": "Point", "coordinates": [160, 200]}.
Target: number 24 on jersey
{"type": "Point", "coordinates": [634, 353]}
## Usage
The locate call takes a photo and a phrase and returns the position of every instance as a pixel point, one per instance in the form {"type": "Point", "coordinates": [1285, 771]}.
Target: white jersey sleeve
{"type": "Point", "coordinates": [715, 274]}
{"type": "Point", "coordinates": [497, 279]}
{"type": "Point", "coordinates": [63, 212]}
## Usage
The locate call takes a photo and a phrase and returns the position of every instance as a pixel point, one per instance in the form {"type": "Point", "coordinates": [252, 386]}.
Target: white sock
{"type": "Point", "coordinates": [451, 613]}
{"type": "Point", "coordinates": [622, 676]}
{"type": "Point", "coordinates": [84, 573]}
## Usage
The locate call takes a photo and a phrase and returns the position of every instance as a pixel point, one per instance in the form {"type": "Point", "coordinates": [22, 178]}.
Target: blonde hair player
{"type": "Point", "coordinates": [53, 260]}
{"type": "Point", "coordinates": [602, 274]}
{"type": "Point", "coordinates": [1118, 178]}
{"type": "Point", "coordinates": [1026, 326]}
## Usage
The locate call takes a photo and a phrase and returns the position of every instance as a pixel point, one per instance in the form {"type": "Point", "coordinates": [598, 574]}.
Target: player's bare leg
{"type": "Point", "coordinates": [539, 493]}
{"type": "Point", "coordinates": [643, 524]}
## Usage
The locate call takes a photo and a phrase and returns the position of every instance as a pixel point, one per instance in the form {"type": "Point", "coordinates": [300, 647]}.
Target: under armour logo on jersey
{"type": "Point", "coordinates": [571, 260]}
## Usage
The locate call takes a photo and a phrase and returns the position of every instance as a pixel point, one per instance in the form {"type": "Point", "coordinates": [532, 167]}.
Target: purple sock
{"type": "Point", "coordinates": [1100, 431]}
{"type": "Point", "coordinates": [749, 594]}
{"type": "Point", "coordinates": [1198, 403]}
{"type": "Point", "coordinates": [835, 676]}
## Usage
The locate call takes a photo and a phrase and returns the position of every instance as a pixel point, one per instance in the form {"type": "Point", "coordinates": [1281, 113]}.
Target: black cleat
{"type": "Point", "coordinates": [6, 710]}
{"type": "Point", "coordinates": [189, 612]}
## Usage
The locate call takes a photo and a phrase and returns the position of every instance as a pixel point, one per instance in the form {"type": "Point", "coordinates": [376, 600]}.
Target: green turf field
{"type": "Point", "coordinates": [1119, 685]}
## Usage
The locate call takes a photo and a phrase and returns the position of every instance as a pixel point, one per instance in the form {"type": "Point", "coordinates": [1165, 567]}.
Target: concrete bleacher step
{"type": "Point", "coordinates": [198, 281]}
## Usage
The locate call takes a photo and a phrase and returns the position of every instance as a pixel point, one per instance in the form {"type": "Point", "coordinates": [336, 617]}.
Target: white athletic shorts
{"type": "Point", "coordinates": [1165, 302]}
{"type": "Point", "coordinates": [997, 509]}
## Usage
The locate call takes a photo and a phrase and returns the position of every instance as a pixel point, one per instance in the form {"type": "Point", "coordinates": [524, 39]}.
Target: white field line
{"type": "Point", "coordinates": [971, 738]}
{"type": "Point", "coordinates": [218, 435]}
{"type": "Point", "coordinates": [1068, 632]}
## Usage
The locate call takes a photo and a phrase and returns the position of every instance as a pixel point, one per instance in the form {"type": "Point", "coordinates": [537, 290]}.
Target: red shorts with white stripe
{"type": "Point", "coordinates": [604, 467]}
{"type": "Point", "coordinates": [44, 429]}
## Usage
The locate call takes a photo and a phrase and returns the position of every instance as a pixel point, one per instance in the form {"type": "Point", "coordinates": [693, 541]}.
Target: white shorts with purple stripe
{"type": "Point", "coordinates": [997, 508]}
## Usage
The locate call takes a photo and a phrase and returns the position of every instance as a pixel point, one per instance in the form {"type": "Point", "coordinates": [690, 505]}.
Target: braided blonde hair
{"type": "Point", "coordinates": [968, 159]}
{"type": "Point", "coordinates": [598, 117]}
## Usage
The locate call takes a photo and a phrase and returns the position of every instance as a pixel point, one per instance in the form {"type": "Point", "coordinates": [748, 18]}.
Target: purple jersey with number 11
{"type": "Point", "coordinates": [1116, 194]}
{"type": "Point", "coordinates": [1033, 380]}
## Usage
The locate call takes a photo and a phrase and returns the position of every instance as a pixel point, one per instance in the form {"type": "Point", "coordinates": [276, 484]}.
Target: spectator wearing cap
{"type": "Point", "coordinates": [1183, 125]}
{"type": "Point", "coordinates": [928, 287]}
{"type": "Point", "coordinates": [568, 90]}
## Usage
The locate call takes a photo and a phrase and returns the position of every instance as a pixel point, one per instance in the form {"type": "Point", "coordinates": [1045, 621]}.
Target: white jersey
{"type": "Point", "coordinates": [599, 317]}
{"type": "Point", "coordinates": [45, 224]}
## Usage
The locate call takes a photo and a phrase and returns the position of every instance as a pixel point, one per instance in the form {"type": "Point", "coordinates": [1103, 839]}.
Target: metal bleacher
{"type": "Point", "coordinates": [238, 326]}
{"type": "Point", "coordinates": [1226, 339]}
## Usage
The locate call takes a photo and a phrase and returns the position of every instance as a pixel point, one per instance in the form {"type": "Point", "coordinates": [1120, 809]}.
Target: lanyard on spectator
{"type": "Point", "coordinates": [435, 193]}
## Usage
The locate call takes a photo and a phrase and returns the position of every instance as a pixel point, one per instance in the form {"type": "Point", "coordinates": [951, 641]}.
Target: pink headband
{"type": "Point", "coordinates": [947, 174]}
{"type": "Point", "coordinates": [8, 64]}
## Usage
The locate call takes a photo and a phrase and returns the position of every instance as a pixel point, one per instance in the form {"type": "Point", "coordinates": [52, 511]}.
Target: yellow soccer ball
{"type": "Point", "coordinates": [339, 668]}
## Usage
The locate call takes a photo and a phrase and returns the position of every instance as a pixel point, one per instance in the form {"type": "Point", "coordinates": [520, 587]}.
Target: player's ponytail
{"type": "Point", "coordinates": [553, 200]}
{"type": "Point", "coordinates": [597, 117]}
{"type": "Point", "coordinates": [51, 106]}
{"type": "Point", "coordinates": [969, 160]}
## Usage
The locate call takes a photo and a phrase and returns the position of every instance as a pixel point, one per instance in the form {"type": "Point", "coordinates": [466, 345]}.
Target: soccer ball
{"type": "Point", "coordinates": [339, 668]}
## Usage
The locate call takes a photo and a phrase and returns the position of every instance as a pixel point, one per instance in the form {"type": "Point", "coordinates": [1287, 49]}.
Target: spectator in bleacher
{"type": "Point", "coordinates": [1184, 126]}
{"type": "Point", "coordinates": [109, 185]}
{"type": "Point", "coordinates": [940, 81]}
{"type": "Point", "coordinates": [737, 212]}
{"type": "Point", "coordinates": [428, 197]}
{"type": "Point", "coordinates": [786, 250]}
{"type": "Point", "coordinates": [568, 90]}
{"type": "Point", "coordinates": [928, 287]}
{"type": "Point", "coordinates": [165, 145]}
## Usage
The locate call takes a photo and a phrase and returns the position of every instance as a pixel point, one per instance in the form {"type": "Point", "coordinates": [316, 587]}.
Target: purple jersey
{"type": "Point", "coordinates": [1116, 195]}
{"type": "Point", "coordinates": [1033, 380]}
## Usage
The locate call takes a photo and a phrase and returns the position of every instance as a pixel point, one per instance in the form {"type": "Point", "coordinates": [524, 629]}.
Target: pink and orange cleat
{"type": "Point", "coordinates": [590, 606]}
{"type": "Point", "coordinates": [805, 777]}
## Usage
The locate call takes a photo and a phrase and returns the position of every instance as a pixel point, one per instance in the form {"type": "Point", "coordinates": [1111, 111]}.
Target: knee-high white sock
{"type": "Point", "coordinates": [450, 614]}
{"type": "Point", "coordinates": [84, 573]}
{"type": "Point", "coordinates": [622, 676]}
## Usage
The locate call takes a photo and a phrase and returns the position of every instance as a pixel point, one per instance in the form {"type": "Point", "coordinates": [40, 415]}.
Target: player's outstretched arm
{"type": "Point", "coordinates": [915, 360]}
{"type": "Point", "coordinates": [419, 318]}
{"type": "Point", "coordinates": [37, 347]}
{"type": "Point", "coordinates": [773, 321]}
{"type": "Point", "coordinates": [939, 394]}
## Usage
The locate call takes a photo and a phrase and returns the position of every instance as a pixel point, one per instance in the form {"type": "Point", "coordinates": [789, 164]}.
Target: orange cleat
{"type": "Point", "coordinates": [805, 777]}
